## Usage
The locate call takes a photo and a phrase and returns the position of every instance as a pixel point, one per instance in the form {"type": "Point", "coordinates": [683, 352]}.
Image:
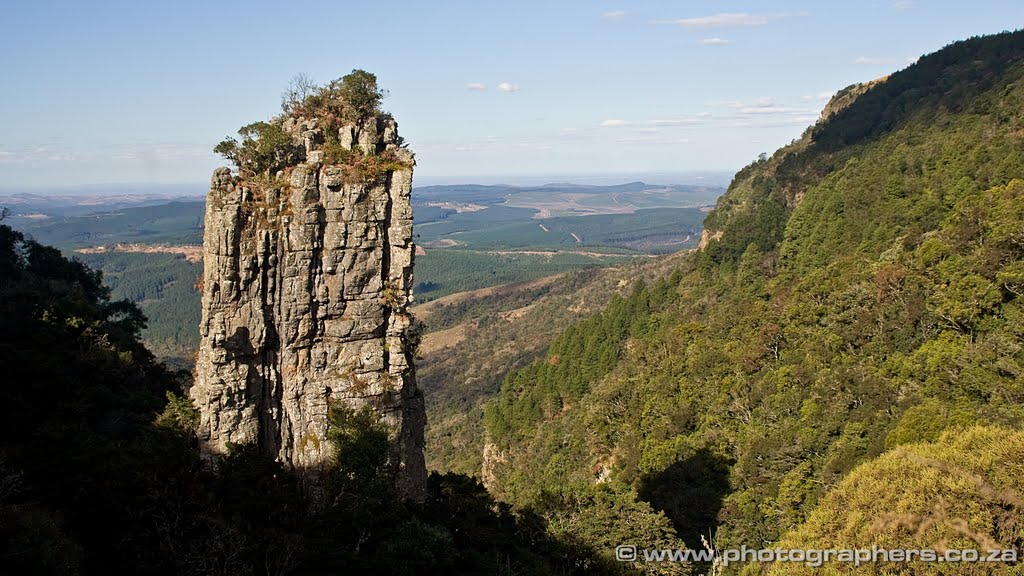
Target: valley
{"type": "Point", "coordinates": [856, 304]}
{"type": "Point", "coordinates": [320, 367]}
{"type": "Point", "coordinates": [469, 237]}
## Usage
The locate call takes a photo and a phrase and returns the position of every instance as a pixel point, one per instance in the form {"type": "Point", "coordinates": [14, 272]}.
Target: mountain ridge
{"type": "Point", "coordinates": [818, 325]}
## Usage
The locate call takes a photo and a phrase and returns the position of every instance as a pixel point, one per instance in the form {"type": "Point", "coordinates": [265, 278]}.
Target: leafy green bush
{"type": "Point", "coordinates": [265, 148]}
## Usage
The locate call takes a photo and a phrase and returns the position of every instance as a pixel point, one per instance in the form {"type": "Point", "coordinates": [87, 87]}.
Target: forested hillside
{"type": "Point", "coordinates": [100, 471]}
{"type": "Point", "coordinates": [165, 287]}
{"type": "Point", "coordinates": [858, 291]}
{"type": "Point", "coordinates": [475, 339]}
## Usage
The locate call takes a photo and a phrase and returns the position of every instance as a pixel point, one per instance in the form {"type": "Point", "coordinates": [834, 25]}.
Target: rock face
{"type": "Point", "coordinates": [306, 285]}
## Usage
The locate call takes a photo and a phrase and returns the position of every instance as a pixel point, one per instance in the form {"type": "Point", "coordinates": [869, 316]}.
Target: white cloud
{"type": "Point", "coordinates": [476, 86]}
{"type": "Point", "coordinates": [721, 20]}
{"type": "Point", "coordinates": [655, 124]}
{"type": "Point", "coordinates": [667, 122]}
{"type": "Point", "coordinates": [763, 105]}
{"type": "Point", "coordinates": [772, 109]}
{"type": "Point", "coordinates": [820, 97]}
{"type": "Point", "coordinates": [507, 87]}
{"type": "Point", "coordinates": [872, 60]}
{"type": "Point", "coordinates": [614, 15]}
{"type": "Point", "coordinates": [716, 42]}
{"type": "Point", "coordinates": [652, 140]}
{"type": "Point", "coordinates": [135, 150]}
{"type": "Point", "coordinates": [904, 4]}
{"type": "Point", "coordinates": [761, 112]}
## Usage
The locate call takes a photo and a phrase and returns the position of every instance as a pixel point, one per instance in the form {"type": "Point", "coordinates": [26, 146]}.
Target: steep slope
{"type": "Point", "coordinates": [859, 289]}
{"type": "Point", "coordinates": [476, 340]}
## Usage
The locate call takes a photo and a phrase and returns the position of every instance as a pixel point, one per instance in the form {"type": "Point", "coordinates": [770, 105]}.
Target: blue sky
{"type": "Point", "coordinates": [107, 92]}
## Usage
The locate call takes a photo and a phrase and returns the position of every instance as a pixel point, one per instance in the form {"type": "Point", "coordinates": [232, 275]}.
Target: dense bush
{"type": "Point", "coordinates": [352, 98]}
{"type": "Point", "coordinates": [265, 148]}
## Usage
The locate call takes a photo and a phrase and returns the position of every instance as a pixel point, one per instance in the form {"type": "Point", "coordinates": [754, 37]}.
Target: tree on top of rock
{"type": "Point", "coordinates": [353, 97]}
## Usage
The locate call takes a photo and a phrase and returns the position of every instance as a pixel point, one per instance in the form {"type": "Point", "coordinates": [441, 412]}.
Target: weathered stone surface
{"type": "Point", "coordinates": [346, 136]}
{"type": "Point", "coordinates": [305, 302]}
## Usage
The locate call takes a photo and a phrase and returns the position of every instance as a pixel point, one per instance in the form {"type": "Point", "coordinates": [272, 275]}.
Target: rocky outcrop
{"type": "Point", "coordinates": [493, 459]}
{"type": "Point", "coordinates": [706, 236]}
{"type": "Point", "coordinates": [307, 281]}
{"type": "Point", "coordinates": [842, 99]}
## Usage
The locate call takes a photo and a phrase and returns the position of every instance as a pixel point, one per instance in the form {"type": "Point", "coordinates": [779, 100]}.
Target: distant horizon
{"type": "Point", "coordinates": [104, 92]}
{"type": "Point", "coordinates": [199, 189]}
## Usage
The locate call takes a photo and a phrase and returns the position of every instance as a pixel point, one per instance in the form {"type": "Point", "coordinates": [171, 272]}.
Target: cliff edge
{"type": "Point", "coordinates": [308, 272]}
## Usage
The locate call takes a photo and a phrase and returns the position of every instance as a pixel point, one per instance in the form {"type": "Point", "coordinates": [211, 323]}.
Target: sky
{"type": "Point", "coordinates": [97, 92]}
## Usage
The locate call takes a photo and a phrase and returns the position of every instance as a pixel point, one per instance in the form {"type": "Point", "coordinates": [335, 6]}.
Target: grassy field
{"type": "Point", "coordinates": [446, 271]}
{"type": "Point", "coordinates": [646, 230]}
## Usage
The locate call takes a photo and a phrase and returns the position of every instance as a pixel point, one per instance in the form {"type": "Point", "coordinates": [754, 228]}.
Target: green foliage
{"type": "Point", "coordinates": [265, 148]}
{"type": "Point", "coordinates": [78, 398]}
{"type": "Point", "coordinates": [925, 422]}
{"type": "Point", "coordinates": [359, 91]}
{"type": "Point", "coordinates": [352, 98]}
{"type": "Point", "coordinates": [179, 414]}
{"type": "Point", "coordinates": [605, 518]}
{"type": "Point", "coordinates": [575, 360]}
{"type": "Point", "coordinates": [961, 77]}
{"type": "Point", "coordinates": [165, 288]}
{"type": "Point", "coordinates": [359, 481]}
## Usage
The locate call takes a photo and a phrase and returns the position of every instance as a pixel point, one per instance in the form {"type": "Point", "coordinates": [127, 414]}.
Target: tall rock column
{"type": "Point", "coordinates": [306, 287]}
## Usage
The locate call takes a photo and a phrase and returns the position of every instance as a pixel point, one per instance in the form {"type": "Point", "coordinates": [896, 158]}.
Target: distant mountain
{"type": "Point", "coordinates": [475, 192]}
{"type": "Point", "coordinates": [36, 206]}
{"type": "Point", "coordinates": [178, 189]}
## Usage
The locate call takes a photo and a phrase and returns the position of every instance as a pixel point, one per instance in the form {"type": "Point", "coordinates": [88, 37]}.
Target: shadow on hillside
{"type": "Point", "coordinates": [690, 492]}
